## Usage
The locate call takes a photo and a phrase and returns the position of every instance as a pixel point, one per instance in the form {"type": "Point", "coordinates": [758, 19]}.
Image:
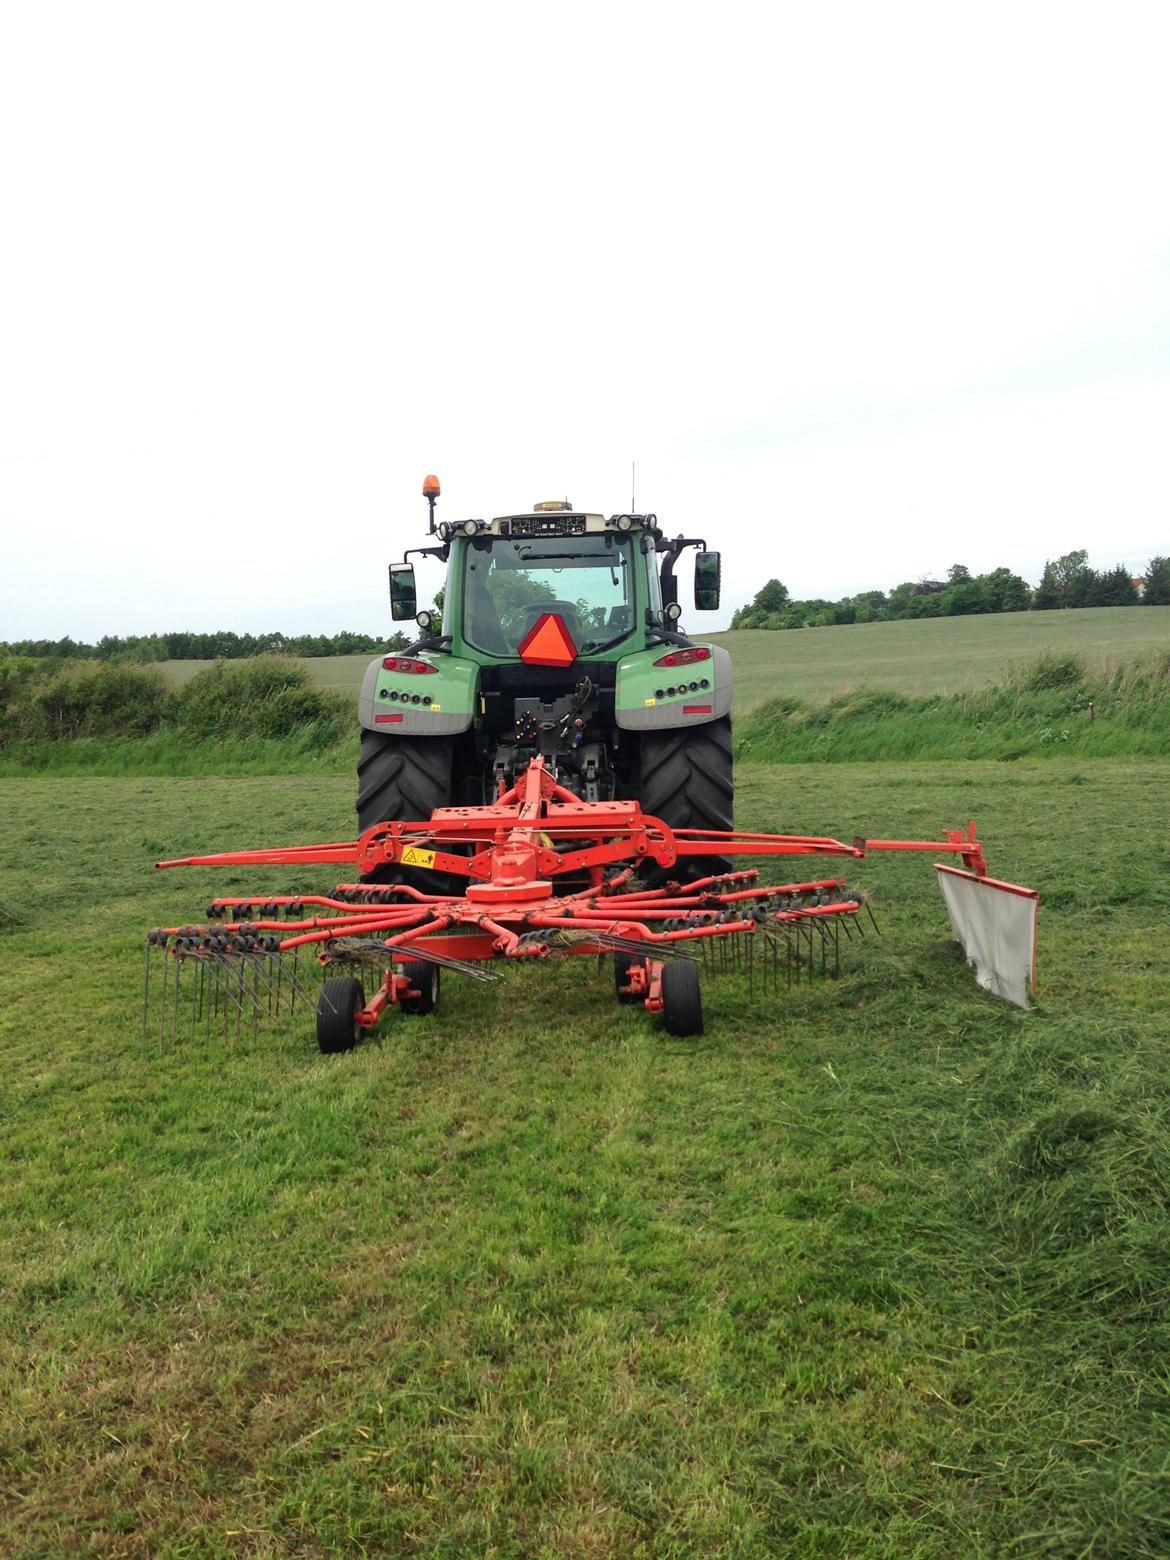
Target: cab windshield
{"type": "Point", "coordinates": [588, 580]}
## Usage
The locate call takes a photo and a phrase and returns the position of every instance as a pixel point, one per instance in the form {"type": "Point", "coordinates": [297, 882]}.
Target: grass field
{"type": "Point", "coordinates": [877, 1269]}
{"type": "Point", "coordinates": [934, 655]}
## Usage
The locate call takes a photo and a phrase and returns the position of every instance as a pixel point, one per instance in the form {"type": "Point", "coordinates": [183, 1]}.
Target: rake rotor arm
{"type": "Point", "coordinates": [956, 841]}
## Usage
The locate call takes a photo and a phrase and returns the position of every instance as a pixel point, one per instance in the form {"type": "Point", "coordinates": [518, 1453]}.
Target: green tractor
{"type": "Point", "coordinates": [560, 637]}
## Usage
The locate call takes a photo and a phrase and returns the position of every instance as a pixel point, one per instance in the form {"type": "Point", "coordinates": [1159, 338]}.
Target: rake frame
{"type": "Point", "coordinates": [512, 854]}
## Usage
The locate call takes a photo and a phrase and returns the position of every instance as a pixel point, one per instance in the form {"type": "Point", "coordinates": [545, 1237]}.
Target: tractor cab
{"type": "Point", "coordinates": [560, 636]}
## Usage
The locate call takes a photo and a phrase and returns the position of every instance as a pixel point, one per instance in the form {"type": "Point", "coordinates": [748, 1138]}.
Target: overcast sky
{"type": "Point", "coordinates": [863, 290]}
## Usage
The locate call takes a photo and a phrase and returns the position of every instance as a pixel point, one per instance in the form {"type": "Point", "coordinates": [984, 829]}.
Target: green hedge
{"type": "Point", "coordinates": [267, 696]}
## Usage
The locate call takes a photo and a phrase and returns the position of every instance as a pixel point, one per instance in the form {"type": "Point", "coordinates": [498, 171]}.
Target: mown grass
{"type": "Point", "coordinates": [874, 1269]}
{"type": "Point", "coordinates": [931, 655]}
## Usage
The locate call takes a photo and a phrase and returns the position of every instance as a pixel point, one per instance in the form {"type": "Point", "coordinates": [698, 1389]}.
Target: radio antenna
{"type": "Point", "coordinates": [633, 505]}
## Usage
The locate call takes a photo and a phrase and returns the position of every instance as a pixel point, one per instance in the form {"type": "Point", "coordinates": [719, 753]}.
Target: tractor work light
{"type": "Point", "coordinates": [470, 527]}
{"type": "Point", "coordinates": [674, 611]}
{"type": "Point", "coordinates": [623, 522]}
{"type": "Point", "coordinates": [684, 657]}
{"type": "Point", "coordinates": [403, 663]}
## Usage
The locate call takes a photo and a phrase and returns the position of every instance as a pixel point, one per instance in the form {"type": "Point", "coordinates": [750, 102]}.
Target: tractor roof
{"type": "Point", "coordinates": [558, 522]}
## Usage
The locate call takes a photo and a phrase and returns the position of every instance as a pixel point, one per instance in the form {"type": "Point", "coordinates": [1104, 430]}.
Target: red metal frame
{"type": "Point", "coordinates": [512, 853]}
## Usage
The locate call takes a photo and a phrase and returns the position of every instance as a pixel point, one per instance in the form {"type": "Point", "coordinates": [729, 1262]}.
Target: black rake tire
{"type": "Point", "coordinates": [622, 963]}
{"type": "Point", "coordinates": [687, 782]}
{"type": "Point", "coordinates": [682, 1004]}
{"type": "Point", "coordinates": [341, 1000]}
{"type": "Point", "coordinates": [403, 777]}
{"type": "Point", "coordinates": [426, 977]}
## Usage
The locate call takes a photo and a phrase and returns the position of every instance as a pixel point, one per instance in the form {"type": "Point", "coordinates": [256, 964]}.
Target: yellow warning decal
{"type": "Point", "coordinates": [649, 702]}
{"type": "Point", "coordinates": [435, 708]}
{"type": "Point", "coordinates": [413, 856]}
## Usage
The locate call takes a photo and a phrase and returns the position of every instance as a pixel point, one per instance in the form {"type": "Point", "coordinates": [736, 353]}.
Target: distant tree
{"type": "Point", "coordinates": [1067, 581]}
{"type": "Point", "coordinates": [1157, 588]}
{"type": "Point", "coordinates": [868, 605]}
{"type": "Point", "coordinates": [958, 574]}
{"type": "Point", "coordinates": [1046, 597]}
{"type": "Point", "coordinates": [899, 599]}
{"type": "Point", "coordinates": [1113, 588]}
{"type": "Point", "coordinates": [927, 604]}
{"type": "Point", "coordinates": [1075, 580]}
{"type": "Point", "coordinates": [963, 598]}
{"type": "Point", "coordinates": [772, 597]}
{"type": "Point", "coordinates": [1005, 592]}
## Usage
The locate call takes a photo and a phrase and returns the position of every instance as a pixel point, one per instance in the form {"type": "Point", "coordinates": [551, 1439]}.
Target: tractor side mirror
{"type": "Point", "coordinates": [403, 593]}
{"type": "Point", "coordinates": [706, 581]}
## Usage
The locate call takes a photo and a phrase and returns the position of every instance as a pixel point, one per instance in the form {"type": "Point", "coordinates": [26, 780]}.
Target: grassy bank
{"type": "Point", "coordinates": [307, 750]}
{"type": "Point", "coordinates": [872, 1270]}
{"type": "Point", "coordinates": [940, 655]}
{"type": "Point", "coordinates": [1053, 707]}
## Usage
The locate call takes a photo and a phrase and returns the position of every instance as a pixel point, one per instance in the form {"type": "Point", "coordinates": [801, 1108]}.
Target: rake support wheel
{"type": "Point", "coordinates": [425, 977]}
{"type": "Point", "coordinates": [338, 1006]}
{"type": "Point", "coordinates": [682, 1005]}
{"type": "Point", "coordinates": [686, 781]}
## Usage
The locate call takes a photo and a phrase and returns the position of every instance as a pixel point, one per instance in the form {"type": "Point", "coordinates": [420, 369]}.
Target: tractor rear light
{"type": "Point", "coordinates": [386, 720]}
{"type": "Point", "coordinates": [684, 657]}
{"type": "Point", "coordinates": [403, 663]}
{"type": "Point", "coordinates": [696, 709]}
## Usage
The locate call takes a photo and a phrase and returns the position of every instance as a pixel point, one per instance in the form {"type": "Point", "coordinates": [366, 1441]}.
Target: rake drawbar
{"type": "Point", "coordinates": [514, 855]}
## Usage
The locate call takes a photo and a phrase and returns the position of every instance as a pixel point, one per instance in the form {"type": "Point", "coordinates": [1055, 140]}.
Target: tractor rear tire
{"type": "Point", "coordinates": [425, 976]}
{"type": "Point", "coordinates": [407, 778]}
{"type": "Point", "coordinates": [687, 782]}
{"type": "Point", "coordinates": [338, 1006]}
{"type": "Point", "coordinates": [682, 1005]}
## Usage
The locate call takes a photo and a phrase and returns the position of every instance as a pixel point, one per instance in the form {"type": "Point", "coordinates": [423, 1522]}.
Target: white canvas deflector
{"type": "Point", "coordinates": [996, 924]}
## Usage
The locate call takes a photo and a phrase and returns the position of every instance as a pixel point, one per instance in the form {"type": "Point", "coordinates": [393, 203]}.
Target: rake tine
{"type": "Point", "coordinates": [163, 1006]}
{"type": "Point", "coordinates": [447, 962]}
{"type": "Point", "coordinates": [146, 998]}
{"type": "Point", "coordinates": [194, 1001]}
{"type": "Point", "coordinates": [175, 1030]}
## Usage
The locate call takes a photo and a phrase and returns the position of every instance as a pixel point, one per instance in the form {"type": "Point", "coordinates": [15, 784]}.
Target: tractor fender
{"type": "Point", "coordinates": [640, 682]}
{"type": "Point", "coordinates": [386, 702]}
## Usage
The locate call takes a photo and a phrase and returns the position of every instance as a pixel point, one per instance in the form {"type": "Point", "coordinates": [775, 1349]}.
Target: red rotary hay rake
{"type": "Point", "coordinates": [246, 960]}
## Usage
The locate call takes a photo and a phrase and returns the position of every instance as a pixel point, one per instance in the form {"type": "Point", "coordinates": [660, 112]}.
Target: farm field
{"type": "Point", "coordinates": [933, 655]}
{"type": "Point", "coordinates": [873, 1269]}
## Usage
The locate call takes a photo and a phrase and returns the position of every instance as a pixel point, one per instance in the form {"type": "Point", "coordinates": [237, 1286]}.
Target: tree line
{"type": "Point", "coordinates": [1067, 581]}
{"type": "Point", "coordinates": [224, 645]}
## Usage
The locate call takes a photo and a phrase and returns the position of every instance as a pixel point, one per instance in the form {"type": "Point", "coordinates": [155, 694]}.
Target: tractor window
{"type": "Point", "coordinates": [507, 584]}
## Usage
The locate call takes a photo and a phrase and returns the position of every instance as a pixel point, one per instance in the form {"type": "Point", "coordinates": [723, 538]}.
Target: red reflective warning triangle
{"type": "Point", "coordinates": [548, 642]}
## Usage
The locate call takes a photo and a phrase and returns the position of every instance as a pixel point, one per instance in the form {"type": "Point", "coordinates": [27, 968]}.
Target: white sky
{"type": "Point", "coordinates": [864, 290]}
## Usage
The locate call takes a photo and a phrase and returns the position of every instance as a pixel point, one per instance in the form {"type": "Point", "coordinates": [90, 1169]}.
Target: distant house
{"type": "Point", "coordinates": [1139, 585]}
